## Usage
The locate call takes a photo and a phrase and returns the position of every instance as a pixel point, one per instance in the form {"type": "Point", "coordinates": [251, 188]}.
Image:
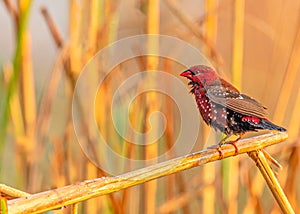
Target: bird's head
{"type": "Point", "coordinates": [200, 75]}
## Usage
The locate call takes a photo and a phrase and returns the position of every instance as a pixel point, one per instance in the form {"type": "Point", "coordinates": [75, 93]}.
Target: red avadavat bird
{"type": "Point", "coordinates": [223, 107]}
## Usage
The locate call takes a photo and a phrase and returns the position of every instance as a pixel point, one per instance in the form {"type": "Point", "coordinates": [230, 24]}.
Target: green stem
{"type": "Point", "coordinates": [17, 63]}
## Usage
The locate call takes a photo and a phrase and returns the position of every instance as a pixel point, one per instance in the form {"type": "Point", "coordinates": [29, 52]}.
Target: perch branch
{"type": "Point", "coordinates": [75, 193]}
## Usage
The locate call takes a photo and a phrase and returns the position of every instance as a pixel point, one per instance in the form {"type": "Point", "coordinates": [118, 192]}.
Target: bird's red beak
{"type": "Point", "coordinates": [186, 73]}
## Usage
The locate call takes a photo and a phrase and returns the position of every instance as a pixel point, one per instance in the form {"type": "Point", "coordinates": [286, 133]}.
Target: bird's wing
{"type": "Point", "coordinates": [232, 99]}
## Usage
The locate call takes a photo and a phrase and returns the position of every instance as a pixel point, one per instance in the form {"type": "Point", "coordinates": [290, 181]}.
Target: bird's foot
{"type": "Point", "coordinates": [234, 145]}
{"type": "Point", "coordinates": [224, 141]}
{"type": "Point", "coordinates": [218, 148]}
{"type": "Point", "coordinates": [232, 142]}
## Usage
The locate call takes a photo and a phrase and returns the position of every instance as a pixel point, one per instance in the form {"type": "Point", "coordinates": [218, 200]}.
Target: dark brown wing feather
{"type": "Point", "coordinates": [231, 98]}
{"type": "Point", "coordinates": [247, 106]}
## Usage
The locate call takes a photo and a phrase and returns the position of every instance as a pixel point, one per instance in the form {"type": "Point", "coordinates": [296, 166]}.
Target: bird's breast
{"type": "Point", "coordinates": [204, 105]}
{"type": "Point", "coordinates": [211, 112]}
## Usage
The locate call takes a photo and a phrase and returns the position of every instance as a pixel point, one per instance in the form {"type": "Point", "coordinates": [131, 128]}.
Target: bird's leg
{"type": "Point", "coordinates": [219, 145]}
{"type": "Point", "coordinates": [224, 141]}
{"type": "Point", "coordinates": [233, 143]}
{"type": "Point", "coordinates": [218, 148]}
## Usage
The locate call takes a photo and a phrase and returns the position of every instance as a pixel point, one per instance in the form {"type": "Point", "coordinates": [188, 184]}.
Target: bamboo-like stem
{"type": "Point", "coordinates": [75, 193]}
{"type": "Point", "coordinates": [17, 67]}
{"type": "Point", "coordinates": [238, 43]}
{"type": "Point", "coordinates": [74, 208]}
{"type": "Point", "coordinates": [209, 172]}
{"type": "Point", "coordinates": [15, 106]}
{"type": "Point", "coordinates": [266, 171]}
{"type": "Point", "coordinates": [151, 150]}
{"type": "Point", "coordinates": [173, 182]}
{"type": "Point", "coordinates": [28, 98]}
{"type": "Point", "coordinates": [3, 205]}
{"type": "Point", "coordinates": [231, 179]}
{"type": "Point", "coordinates": [44, 115]}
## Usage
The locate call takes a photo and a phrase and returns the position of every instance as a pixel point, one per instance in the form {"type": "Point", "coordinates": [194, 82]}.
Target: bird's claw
{"type": "Point", "coordinates": [235, 147]}
{"type": "Point", "coordinates": [221, 156]}
{"type": "Point", "coordinates": [232, 142]}
{"type": "Point", "coordinates": [218, 148]}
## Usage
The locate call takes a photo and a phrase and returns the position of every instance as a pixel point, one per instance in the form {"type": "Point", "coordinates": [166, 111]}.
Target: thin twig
{"type": "Point", "coordinates": [271, 159]}
{"type": "Point", "coordinates": [71, 194]}
{"type": "Point", "coordinates": [12, 9]}
{"type": "Point", "coordinates": [52, 27]}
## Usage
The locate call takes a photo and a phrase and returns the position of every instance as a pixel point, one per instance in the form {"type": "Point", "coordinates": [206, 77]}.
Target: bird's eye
{"type": "Point", "coordinates": [196, 72]}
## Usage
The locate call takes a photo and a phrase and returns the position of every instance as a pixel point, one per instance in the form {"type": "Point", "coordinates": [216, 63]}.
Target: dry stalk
{"type": "Point", "coordinates": [52, 27]}
{"type": "Point", "coordinates": [85, 190]}
{"type": "Point", "coordinates": [9, 192]}
{"type": "Point", "coordinates": [265, 169]}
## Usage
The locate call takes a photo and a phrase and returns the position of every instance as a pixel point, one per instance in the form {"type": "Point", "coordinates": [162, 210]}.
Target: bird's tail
{"type": "Point", "coordinates": [266, 124]}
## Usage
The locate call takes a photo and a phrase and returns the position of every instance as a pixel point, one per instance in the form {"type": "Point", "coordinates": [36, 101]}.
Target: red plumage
{"type": "Point", "coordinates": [223, 107]}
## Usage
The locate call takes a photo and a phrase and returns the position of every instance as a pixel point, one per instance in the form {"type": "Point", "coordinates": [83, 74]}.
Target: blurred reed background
{"type": "Point", "coordinates": [44, 46]}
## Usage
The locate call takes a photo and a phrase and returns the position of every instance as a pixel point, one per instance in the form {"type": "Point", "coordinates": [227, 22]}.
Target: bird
{"type": "Point", "coordinates": [223, 107]}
